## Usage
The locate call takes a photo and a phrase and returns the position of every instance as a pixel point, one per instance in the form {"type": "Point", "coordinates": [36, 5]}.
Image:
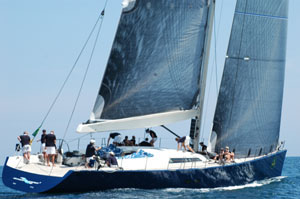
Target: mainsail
{"type": "Point", "coordinates": [248, 112]}
{"type": "Point", "coordinates": [155, 63]}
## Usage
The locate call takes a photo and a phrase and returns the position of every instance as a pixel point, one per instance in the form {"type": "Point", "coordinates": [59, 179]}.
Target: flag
{"type": "Point", "coordinates": [36, 131]}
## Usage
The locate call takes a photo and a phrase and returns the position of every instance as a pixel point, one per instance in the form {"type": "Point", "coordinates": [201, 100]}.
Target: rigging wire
{"type": "Point", "coordinates": [101, 16]}
{"type": "Point", "coordinates": [72, 69]}
{"type": "Point", "coordinates": [68, 76]}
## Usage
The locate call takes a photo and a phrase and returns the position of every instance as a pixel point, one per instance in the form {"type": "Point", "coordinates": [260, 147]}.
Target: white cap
{"type": "Point", "coordinates": [111, 153]}
{"type": "Point", "coordinates": [92, 141]}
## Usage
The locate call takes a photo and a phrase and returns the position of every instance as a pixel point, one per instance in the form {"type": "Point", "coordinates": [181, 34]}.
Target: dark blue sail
{"type": "Point", "coordinates": [248, 112]}
{"type": "Point", "coordinates": [155, 61]}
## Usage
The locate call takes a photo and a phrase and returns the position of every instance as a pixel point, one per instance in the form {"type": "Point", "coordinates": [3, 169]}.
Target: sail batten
{"type": "Point", "coordinates": [254, 59]}
{"type": "Point", "coordinates": [248, 111]}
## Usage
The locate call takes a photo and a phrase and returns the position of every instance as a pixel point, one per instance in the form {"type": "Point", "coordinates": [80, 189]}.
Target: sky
{"type": "Point", "coordinates": [40, 41]}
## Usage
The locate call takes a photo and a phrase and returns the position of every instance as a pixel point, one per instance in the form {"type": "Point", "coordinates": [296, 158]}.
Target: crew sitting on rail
{"type": "Point", "coordinates": [228, 155]}
{"type": "Point", "coordinates": [126, 142]}
{"type": "Point", "coordinates": [132, 141]}
{"type": "Point", "coordinates": [220, 157]}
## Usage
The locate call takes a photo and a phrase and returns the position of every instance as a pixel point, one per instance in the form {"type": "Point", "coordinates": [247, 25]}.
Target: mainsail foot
{"type": "Point", "coordinates": [137, 122]}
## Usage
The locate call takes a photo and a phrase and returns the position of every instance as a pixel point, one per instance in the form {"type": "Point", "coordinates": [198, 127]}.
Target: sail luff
{"type": "Point", "coordinates": [203, 75]}
{"type": "Point", "coordinates": [99, 102]}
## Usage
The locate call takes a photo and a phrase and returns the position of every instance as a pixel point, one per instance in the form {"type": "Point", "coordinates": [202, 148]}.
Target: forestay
{"type": "Point", "coordinates": [248, 110]}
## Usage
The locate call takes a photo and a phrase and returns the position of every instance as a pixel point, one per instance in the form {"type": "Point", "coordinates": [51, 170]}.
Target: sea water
{"type": "Point", "coordinates": [285, 186]}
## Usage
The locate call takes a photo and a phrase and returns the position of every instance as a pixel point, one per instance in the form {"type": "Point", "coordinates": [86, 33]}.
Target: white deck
{"type": "Point", "coordinates": [159, 161]}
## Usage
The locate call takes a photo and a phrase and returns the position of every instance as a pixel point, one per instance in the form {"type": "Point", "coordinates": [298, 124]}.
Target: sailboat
{"type": "Point", "coordinates": [156, 75]}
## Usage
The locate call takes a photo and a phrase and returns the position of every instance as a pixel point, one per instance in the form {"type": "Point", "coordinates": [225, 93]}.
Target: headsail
{"type": "Point", "coordinates": [155, 61]}
{"type": "Point", "coordinates": [248, 110]}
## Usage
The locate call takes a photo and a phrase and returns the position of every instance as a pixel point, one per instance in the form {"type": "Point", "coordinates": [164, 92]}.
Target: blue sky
{"type": "Point", "coordinates": [40, 40]}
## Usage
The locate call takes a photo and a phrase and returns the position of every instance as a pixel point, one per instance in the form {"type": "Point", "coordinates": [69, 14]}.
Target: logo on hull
{"type": "Point", "coordinates": [23, 179]}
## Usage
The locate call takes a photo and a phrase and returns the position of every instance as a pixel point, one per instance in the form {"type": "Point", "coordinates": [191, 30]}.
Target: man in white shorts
{"type": "Point", "coordinates": [43, 145]}
{"type": "Point", "coordinates": [51, 147]}
{"type": "Point", "coordinates": [26, 148]}
{"type": "Point", "coordinates": [185, 143]}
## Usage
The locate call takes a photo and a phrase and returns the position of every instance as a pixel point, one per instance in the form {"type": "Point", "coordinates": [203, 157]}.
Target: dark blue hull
{"type": "Point", "coordinates": [228, 175]}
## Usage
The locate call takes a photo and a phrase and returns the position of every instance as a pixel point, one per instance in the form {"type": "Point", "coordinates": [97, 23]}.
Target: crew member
{"type": "Point", "coordinates": [117, 138]}
{"type": "Point", "coordinates": [90, 152]}
{"type": "Point", "coordinates": [204, 148]}
{"type": "Point", "coordinates": [50, 140]}
{"type": "Point", "coordinates": [26, 148]}
{"type": "Point", "coordinates": [153, 136]}
{"type": "Point", "coordinates": [145, 143]}
{"type": "Point", "coordinates": [112, 160]}
{"type": "Point", "coordinates": [43, 144]}
{"type": "Point", "coordinates": [185, 142]}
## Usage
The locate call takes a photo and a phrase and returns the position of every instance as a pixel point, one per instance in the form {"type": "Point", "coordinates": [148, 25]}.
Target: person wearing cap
{"type": "Point", "coordinates": [26, 148]}
{"type": "Point", "coordinates": [50, 140]}
{"type": "Point", "coordinates": [90, 152]}
{"type": "Point", "coordinates": [185, 143]}
{"type": "Point", "coordinates": [112, 160]}
{"type": "Point", "coordinates": [43, 146]}
{"type": "Point", "coordinates": [153, 136]}
{"type": "Point", "coordinates": [228, 155]}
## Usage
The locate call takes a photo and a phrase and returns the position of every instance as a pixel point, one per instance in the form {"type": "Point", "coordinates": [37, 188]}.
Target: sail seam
{"type": "Point", "coordinates": [260, 15]}
{"type": "Point", "coordinates": [266, 60]}
{"type": "Point", "coordinates": [253, 100]}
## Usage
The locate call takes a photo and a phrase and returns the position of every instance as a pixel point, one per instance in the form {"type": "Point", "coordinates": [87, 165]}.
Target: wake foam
{"type": "Point", "coordinates": [250, 185]}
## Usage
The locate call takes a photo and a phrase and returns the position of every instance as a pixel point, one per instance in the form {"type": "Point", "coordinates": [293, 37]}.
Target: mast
{"type": "Point", "coordinates": [203, 75]}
